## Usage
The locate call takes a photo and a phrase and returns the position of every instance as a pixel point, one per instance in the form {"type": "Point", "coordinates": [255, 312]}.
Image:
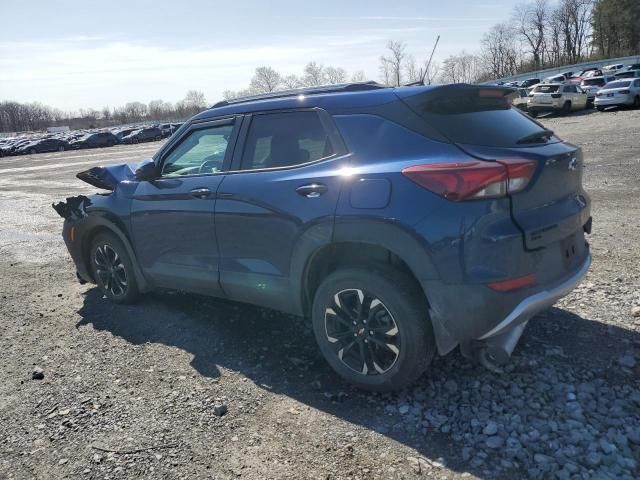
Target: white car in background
{"type": "Point", "coordinates": [618, 94]}
{"type": "Point", "coordinates": [555, 97]}
{"type": "Point", "coordinates": [556, 79]}
{"type": "Point", "coordinates": [613, 68]}
{"type": "Point", "coordinates": [593, 84]}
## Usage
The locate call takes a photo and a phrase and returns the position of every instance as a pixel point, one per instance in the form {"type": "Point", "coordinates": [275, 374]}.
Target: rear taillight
{"type": "Point", "coordinates": [473, 180]}
{"type": "Point", "coordinates": [556, 95]}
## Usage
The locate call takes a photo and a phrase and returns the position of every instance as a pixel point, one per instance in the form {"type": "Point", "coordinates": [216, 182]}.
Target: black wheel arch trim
{"type": "Point", "coordinates": [375, 232]}
{"type": "Point", "coordinates": [88, 225]}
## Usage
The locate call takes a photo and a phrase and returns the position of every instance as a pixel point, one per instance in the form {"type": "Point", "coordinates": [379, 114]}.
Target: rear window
{"type": "Point", "coordinates": [620, 84]}
{"type": "Point", "coordinates": [466, 116]}
{"type": "Point", "coordinates": [546, 88]}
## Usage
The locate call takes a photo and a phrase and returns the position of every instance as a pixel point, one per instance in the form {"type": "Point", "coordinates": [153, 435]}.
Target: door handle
{"type": "Point", "coordinates": [312, 190]}
{"type": "Point", "coordinates": [200, 192]}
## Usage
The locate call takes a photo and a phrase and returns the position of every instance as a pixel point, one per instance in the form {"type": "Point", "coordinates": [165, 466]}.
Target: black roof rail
{"type": "Point", "coordinates": [341, 87]}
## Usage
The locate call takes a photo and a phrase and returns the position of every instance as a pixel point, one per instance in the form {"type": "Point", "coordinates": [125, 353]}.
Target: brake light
{"type": "Point", "coordinates": [556, 95]}
{"type": "Point", "coordinates": [473, 180]}
{"type": "Point", "coordinates": [513, 283]}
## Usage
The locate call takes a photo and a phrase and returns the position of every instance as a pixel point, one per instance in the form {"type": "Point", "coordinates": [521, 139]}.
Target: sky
{"type": "Point", "coordinates": [74, 54]}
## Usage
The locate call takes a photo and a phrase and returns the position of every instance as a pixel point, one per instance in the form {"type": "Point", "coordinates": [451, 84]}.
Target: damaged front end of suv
{"type": "Point", "coordinates": [86, 216]}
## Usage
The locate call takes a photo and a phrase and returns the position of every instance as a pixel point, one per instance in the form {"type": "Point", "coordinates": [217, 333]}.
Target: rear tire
{"type": "Point", "coordinates": [112, 269]}
{"type": "Point", "coordinates": [32, 151]}
{"type": "Point", "coordinates": [61, 148]}
{"type": "Point", "coordinates": [600, 109]}
{"type": "Point", "coordinates": [636, 101]}
{"type": "Point", "coordinates": [372, 327]}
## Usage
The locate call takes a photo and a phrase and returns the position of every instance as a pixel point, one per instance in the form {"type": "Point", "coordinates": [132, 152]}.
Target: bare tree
{"type": "Point", "coordinates": [500, 51]}
{"type": "Point", "coordinates": [391, 65]}
{"type": "Point", "coordinates": [335, 75]}
{"type": "Point", "coordinates": [265, 79]}
{"type": "Point", "coordinates": [531, 20]}
{"type": "Point", "coordinates": [313, 75]}
{"type": "Point", "coordinates": [195, 99]}
{"type": "Point", "coordinates": [291, 81]}
{"type": "Point", "coordinates": [358, 76]}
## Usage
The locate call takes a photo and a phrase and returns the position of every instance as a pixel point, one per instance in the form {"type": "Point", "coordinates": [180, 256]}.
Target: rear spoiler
{"type": "Point", "coordinates": [456, 98]}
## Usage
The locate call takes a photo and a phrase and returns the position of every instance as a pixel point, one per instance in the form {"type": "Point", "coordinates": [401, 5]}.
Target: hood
{"type": "Point", "coordinates": [108, 177]}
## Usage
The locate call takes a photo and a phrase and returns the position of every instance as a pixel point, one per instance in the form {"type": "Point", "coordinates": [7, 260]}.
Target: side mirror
{"type": "Point", "coordinates": [147, 171]}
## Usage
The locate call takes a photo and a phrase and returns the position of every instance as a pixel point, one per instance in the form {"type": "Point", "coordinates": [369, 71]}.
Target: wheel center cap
{"type": "Point", "coordinates": [361, 331]}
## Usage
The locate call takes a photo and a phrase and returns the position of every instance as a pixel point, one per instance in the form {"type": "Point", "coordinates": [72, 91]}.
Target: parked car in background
{"type": "Point", "coordinates": [143, 135]}
{"type": "Point", "coordinates": [44, 145]}
{"type": "Point", "coordinates": [521, 99]}
{"type": "Point", "coordinates": [628, 74]}
{"type": "Point", "coordinates": [530, 82]}
{"type": "Point", "coordinates": [613, 68]}
{"type": "Point", "coordinates": [553, 97]}
{"type": "Point", "coordinates": [95, 140]}
{"type": "Point", "coordinates": [121, 133]}
{"type": "Point", "coordinates": [489, 220]}
{"type": "Point", "coordinates": [593, 84]}
{"type": "Point", "coordinates": [618, 94]}
{"type": "Point", "coordinates": [635, 66]}
{"type": "Point", "coordinates": [556, 79]}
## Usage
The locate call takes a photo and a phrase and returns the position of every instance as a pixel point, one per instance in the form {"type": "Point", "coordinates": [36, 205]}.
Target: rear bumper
{"type": "Point", "coordinates": [463, 314]}
{"type": "Point", "coordinates": [534, 304]}
{"type": "Point", "coordinates": [610, 102]}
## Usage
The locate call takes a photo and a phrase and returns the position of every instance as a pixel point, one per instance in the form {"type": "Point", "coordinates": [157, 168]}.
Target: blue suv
{"type": "Point", "coordinates": [401, 221]}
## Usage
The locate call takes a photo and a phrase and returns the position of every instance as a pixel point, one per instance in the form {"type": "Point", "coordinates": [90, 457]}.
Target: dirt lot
{"type": "Point", "coordinates": [130, 391]}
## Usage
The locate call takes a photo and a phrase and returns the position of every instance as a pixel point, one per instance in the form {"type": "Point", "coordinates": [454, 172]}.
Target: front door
{"type": "Point", "coordinates": [172, 217]}
{"type": "Point", "coordinates": [281, 192]}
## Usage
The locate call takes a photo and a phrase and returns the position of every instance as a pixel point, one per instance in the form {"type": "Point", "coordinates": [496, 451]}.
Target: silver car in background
{"type": "Point", "coordinates": [593, 84]}
{"type": "Point", "coordinates": [619, 93]}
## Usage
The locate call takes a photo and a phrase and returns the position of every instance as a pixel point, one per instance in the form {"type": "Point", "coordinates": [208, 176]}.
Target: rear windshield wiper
{"type": "Point", "coordinates": [541, 135]}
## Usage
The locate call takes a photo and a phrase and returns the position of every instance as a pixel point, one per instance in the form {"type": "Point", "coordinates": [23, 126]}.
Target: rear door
{"type": "Point", "coordinates": [172, 217]}
{"type": "Point", "coordinates": [281, 192]}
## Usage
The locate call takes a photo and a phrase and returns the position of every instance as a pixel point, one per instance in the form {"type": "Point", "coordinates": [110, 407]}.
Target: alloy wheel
{"type": "Point", "coordinates": [110, 269]}
{"type": "Point", "coordinates": [362, 331]}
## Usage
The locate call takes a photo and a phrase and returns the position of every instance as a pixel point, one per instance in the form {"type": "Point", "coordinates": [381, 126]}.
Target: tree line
{"type": "Point", "coordinates": [542, 34]}
{"type": "Point", "coordinates": [19, 117]}
{"type": "Point", "coordinates": [539, 34]}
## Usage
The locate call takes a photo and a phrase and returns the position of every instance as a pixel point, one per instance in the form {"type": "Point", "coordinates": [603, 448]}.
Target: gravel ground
{"type": "Point", "coordinates": [181, 386]}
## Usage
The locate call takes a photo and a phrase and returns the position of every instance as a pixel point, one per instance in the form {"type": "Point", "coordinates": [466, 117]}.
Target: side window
{"type": "Point", "coordinates": [636, 83]}
{"type": "Point", "coordinates": [285, 139]}
{"type": "Point", "coordinates": [201, 151]}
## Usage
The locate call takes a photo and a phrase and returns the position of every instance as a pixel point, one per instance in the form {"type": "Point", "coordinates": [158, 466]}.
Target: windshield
{"type": "Point", "coordinates": [619, 84]}
{"type": "Point", "coordinates": [546, 88]}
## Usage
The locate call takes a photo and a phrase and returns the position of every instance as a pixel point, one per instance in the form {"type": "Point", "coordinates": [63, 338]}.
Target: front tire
{"type": "Point", "coordinates": [372, 327]}
{"type": "Point", "coordinates": [566, 108]}
{"type": "Point", "coordinates": [112, 269]}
